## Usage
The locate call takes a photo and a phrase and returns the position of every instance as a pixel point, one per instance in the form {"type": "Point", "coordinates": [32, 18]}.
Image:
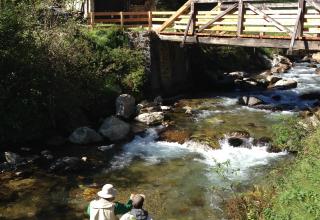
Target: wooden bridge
{"type": "Point", "coordinates": [240, 23]}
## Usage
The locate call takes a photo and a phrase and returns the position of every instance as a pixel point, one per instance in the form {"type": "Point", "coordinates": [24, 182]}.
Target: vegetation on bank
{"type": "Point", "coordinates": [293, 191]}
{"type": "Point", "coordinates": [56, 75]}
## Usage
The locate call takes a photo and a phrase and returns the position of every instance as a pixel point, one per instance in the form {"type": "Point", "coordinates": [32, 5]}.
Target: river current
{"type": "Point", "coordinates": [185, 181]}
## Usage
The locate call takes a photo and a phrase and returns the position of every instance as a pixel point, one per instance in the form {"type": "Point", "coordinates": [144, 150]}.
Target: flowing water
{"type": "Point", "coordinates": [183, 181]}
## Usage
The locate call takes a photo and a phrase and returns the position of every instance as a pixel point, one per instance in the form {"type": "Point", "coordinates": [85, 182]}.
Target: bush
{"type": "Point", "coordinates": [289, 134]}
{"type": "Point", "coordinates": [55, 78]}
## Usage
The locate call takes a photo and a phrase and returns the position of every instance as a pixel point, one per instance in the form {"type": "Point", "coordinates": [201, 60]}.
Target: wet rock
{"type": "Point", "coordinates": [239, 134]}
{"type": "Point", "coordinates": [188, 110]}
{"type": "Point", "coordinates": [285, 84]}
{"type": "Point", "coordinates": [250, 101]}
{"type": "Point", "coordinates": [13, 158]}
{"type": "Point", "coordinates": [150, 118]}
{"type": "Point", "coordinates": [106, 147]}
{"type": "Point", "coordinates": [317, 71]}
{"type": "Point", "coordinates": [273, 79]}
{"type": "Point", "coordinates": [47, 155]}
{"type": "Point", "coordinates": [280, 64]}
{"type": "Point", "coordinates": [263, 141]}
{"type": "Point", "coordinates": [237, 74]}
{"type": "Point", "coordinates": [235, 142]}
{"type": "Point", "coordinates": [175, 136]}
{"type": "Point", "coordinates": [312, 65]}
{"type": "Point", "coordinates": [114, 129]}
{"type": "Point", "coordinates": [66, 163]}
{"type": "Point", "coordinates": [125, 106]}
{"type": "Point", "coordinates": [310, 96]}
{"type": "Point", "coordinates": [273, 149]}
{"type": "Point", "coordinates": [84, 135]}
{"type": "Point", "coordinates": [165, 108]}
{"type": "Point", "coordinates": [316, 57]}
{"type": "Point", "coordinates": [250, 84]}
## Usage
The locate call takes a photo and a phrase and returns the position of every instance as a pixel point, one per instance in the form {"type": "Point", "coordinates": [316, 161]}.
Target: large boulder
{"type": "Point", "coordinates": [272, 79]}
{"type": "Point", "coordinates": [250, 101]}
{"type": "Point", "coordinates": [316, 57]}
{"type": "Point", "coordinates": [280, 64]}
{"type": "Point", "coordinates": [84, 135]}
{"type": "Point", "coordinates": [114, 129]}
{"type": "Point", "coordinates": [235, 142]}
{"type": "Point", "coordinates": [285, 84]}
{"type": "Point", "coordinates": [125, 106]}
{"type": "Point", "coordinates": [150, 118]}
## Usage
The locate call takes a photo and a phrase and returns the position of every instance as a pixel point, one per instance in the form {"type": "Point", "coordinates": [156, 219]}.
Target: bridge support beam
{"type": "Point", "coordinates": [246, 42]}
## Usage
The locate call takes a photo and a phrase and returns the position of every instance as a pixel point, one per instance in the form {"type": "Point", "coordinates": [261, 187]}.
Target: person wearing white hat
{"type": "Point", "coordinates": [137, 212]}
{"type": "Point", "coordinates": [104, 208]}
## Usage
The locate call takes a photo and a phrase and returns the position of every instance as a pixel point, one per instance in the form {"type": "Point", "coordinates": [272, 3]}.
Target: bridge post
{"type": "Point", "coordinates": [241, 10]}
{"type": "Point", "coordinates": [150, 20]}
{"type": "Point", "coordinates": [194, 13]}
{"type": "Point", "coordinates": [121, 19]}
{"type": "Point", "coordinates": [302, 6]}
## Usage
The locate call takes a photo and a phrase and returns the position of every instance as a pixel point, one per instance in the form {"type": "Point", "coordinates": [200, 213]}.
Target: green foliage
{"type": "Point", "coordinates": [289, 134]}
{"type": "Point", "coordinates": [54, 78]}
{"type": "Point", "coordinates": [298, 191]}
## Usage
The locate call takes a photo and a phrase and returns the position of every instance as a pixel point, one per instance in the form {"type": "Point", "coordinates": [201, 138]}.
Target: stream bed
{"type": "Point", "coordinates": [180, 180]}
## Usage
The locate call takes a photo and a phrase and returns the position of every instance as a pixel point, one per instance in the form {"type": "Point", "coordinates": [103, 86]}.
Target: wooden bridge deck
{"type": "Point", "coordinates": [240, 23]}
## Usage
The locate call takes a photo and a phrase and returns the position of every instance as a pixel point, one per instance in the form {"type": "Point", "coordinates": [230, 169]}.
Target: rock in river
{"type": "Point", "coordinates": [13, 158]}
{"type": "Point", "coordinates": [114, 129]}
{"type": "Point", "coordinates": [150, 118]}
{"type": "Point", "coordinates": [125, 106]}
{"type": "Point", "coordinates": [285, 84]}
{"type": "Point", "coordinates": [250, 101]}
{"type": "Point", "coordinates": [84, 135]}
{"type": "Point", "coordinates": [235, 142]}
{"type": "Point", "coordinates": [66, 163]}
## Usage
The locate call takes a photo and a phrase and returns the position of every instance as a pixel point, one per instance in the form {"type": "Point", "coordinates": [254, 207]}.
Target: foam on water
{"type": "Point", "coordinates": [153, 152]}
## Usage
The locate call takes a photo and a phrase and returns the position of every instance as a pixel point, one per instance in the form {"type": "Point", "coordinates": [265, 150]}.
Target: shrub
{"type": "Point", "coordinates": [289, 133]}
{"type": "Point", "coordinates": [55, 78]}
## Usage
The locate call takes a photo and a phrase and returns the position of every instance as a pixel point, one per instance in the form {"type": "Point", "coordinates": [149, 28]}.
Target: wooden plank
{"type": "Point", "coordinates": [176, 15]}
{"type": "Point", "coordinates": [121, 19]}
{"type": "Point", "coordinates": [295, 32]}
{"type": "Point", "coordinates": [188, 25]}
{"type": "Point", "coordinates": [232, 7]}
{"type": "Point", "coordinates": [268, 18]}
{"type": "Point", "coordinates": [194, 12]}
{"type": "Point", "coordinates": [226, 1]}
{"type": "Point", "coordinates": [150, 20]}
{"type": "Point", "coordinates": [241, 11]}
{"type": "Point", "coordinates": [302, 5]}
{"type": "Point", "coordinates": [247, 42]}
{"type": "Point", "coordinates": [163, 12]}
{"type": "Point", "coordinates": [317, 7]}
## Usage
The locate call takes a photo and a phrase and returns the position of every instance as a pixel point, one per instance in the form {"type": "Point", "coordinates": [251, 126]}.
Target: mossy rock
{"type": "Point", "coordinates": [175, 136]}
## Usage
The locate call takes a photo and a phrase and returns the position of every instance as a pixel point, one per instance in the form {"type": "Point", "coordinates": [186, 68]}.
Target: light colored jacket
{"type": "Point", "coordinates": [128, 216]}
{"type": "Point", "coordinates": [102, 209]}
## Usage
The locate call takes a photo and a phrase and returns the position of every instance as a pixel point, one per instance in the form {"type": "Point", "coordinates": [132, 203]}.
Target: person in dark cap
{"type": "Point", "coordinates": [137, 212]}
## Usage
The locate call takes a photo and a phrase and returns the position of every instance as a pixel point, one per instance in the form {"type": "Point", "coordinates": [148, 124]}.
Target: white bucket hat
{"type": "Point", "coordinates": [107, 191]}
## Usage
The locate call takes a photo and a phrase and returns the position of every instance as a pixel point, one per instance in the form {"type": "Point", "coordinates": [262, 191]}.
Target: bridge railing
{"type": "Point", "coordinates": [243, 19]}
{"type": "Point", "coordinates": [146, 19]}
